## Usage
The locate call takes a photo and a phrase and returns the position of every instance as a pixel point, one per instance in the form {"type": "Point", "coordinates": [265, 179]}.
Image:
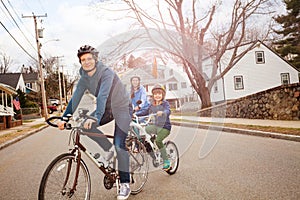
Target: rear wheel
{"type": "Point", "coordinates": [173, 156]}
{"type": "Point", "coordinates": [58, 179]}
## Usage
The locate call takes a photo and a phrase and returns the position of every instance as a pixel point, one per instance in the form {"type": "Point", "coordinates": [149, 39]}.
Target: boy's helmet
{"type": "Point", "coordinates": [159, 87]}
{"type": "Point", "coordinates": [87, 49]}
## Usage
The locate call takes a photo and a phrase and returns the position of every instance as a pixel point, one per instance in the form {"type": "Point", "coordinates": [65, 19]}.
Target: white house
{"type": "Point", "coordinates": [14, 80]}
{"type": "Point", "coordinates": [6, 100]}
{"type": "Point", "coordinates": [258, 70]}
{"type": "Point", "coordinates": [173, 77]}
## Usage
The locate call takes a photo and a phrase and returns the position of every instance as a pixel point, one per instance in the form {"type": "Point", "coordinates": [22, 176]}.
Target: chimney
{"type": "Point", "coordinates": [154, 67]}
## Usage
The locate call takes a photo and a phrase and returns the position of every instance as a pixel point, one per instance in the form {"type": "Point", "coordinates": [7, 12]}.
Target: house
{"type": "Point", "coordinates": [32, 82]}
{"type": "Point", "coordinates": [173, 77]}
{"type": "Point", "coordinates": [15, 80]}
{"type": "Point", "coordinates": [6, 107]}
{"type": "Point", "coordinates": [258, 70]}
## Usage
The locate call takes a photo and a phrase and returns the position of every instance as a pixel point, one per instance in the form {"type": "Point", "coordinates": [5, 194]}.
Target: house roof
{"type": "Point", "coordinates": [7, 88]}
{"type": "Point", "coordinates": [28, 77]}
{"type": "Point", "coordinates": [146, 77]}
{"type": "Point", "coordinates": [10, 79]}
{"type": "Point", "coordinates": [251, 46]}
{"type": "Point", "coordinates": [277, 55]}
{"type": "Point", "coordinates": [172, 79]}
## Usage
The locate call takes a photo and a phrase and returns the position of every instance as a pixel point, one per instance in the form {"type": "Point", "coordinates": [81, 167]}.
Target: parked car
{"type": "Point", "coordinates": [54, 102]}
{"type": "Point", "coordinates": [50, 108]}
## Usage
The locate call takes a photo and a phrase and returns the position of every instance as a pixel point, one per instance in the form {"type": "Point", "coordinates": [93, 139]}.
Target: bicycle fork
{"type": "Point", "coordinates": [77, 157]}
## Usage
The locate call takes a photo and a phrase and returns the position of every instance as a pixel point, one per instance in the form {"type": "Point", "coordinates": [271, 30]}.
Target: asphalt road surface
{"type": "Point", "coordinates": [222, 166]}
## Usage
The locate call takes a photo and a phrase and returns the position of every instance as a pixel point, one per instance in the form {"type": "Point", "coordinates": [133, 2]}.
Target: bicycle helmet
{"type": "Point", "coordinates": [87, 49]}
{"type": "Point", "coordinates": [159, 87]}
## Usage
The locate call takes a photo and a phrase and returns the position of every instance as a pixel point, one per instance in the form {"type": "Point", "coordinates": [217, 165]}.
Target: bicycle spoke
{"type": "Point", "coordinates": [58, 180]}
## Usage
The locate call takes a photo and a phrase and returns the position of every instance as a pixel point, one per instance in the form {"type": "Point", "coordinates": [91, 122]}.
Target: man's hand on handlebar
{"type": "Point", "coordinates": [61, 125]}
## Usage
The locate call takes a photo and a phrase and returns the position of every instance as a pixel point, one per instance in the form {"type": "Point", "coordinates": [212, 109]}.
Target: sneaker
{"type": "Point", "coordinates": [167, 165]}
{"type": "Point", "coordinates": [124, 191]}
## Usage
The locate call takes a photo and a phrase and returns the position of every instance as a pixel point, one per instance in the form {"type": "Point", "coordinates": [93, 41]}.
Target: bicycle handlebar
{"type": "Point", "coordinates": [82, 115]}
{"type": "Point", "coordinates": [146, 122]}
{"type": "Point", "coordinates": [50, 119]}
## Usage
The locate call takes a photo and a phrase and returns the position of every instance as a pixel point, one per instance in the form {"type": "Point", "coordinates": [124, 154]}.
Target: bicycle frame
{"type": "Point", "coordinates": [141, 127]}
{"type": "Point", "coordinates": [154, 151]}
{"type": "Point", "coordinates": [78, 148]}
{"type": "Point", "coordinates": [73, 165]}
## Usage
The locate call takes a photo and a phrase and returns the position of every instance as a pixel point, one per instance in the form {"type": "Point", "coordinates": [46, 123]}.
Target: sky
{"type": "Point", "coordinates": [69, 24]}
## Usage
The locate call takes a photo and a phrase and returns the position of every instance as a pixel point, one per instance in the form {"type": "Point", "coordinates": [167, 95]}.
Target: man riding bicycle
{"type": "Point", "coordinates": [112, 102]}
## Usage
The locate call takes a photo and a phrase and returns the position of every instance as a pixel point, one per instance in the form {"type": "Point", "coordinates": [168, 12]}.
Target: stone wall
{"type": "Point", "coordinates": [279, 103]}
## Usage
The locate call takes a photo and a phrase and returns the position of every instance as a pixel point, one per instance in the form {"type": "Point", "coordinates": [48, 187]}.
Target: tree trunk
{"type": "Point", "coordinates": [204, 95]}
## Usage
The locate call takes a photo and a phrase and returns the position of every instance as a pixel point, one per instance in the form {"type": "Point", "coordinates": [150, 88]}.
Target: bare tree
{"type": "Point", "coordinates": [5, 62]}
{"type": "Point", "coordinates": [183, 30]}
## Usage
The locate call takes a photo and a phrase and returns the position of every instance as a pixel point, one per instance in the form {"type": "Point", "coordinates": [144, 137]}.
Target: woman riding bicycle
{"type": "Point", "coordinates": [162, 124]}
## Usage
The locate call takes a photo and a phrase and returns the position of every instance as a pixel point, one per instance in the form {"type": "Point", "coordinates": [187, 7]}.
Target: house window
{"type": "Point", "coordinates": [28, 85]}
{"type": "Point", "coordinates": [260, 57]}
{"type": "Point", "coordinates": [238, 83]}
{"type": "Point", "coordinates": [285, 78]}
{"type": "Point", "coordinates": [172, 86]}
{"type": "Point", "coordinates": [183, 85]}
{"type": "Point", "coordinates": [171, 72]}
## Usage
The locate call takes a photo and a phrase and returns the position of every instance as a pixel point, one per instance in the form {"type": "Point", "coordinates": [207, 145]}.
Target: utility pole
{"type": "Point", "coordinates": [59, 83]}
{"type": "Point", "coordinates": [64, 84]}
{"type": "Point", "coordinates": [44, 100]}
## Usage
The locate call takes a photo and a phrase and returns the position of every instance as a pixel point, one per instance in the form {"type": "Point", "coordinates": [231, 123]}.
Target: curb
{"type": "Point", "coordinates": [295, 138]}
{"type": "Point", "coordinates": [6, 144]}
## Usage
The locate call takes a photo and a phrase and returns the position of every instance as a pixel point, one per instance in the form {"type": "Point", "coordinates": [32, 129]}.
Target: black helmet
{"type": "Point", "coordinates": [87, 49]}
{"type": "Point", "coordinates": [159, 87]}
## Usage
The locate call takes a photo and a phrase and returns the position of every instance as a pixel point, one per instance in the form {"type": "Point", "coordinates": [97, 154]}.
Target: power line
{"type": "Point", "coordinates": [17, 42]}
{"type": "Point", "coordinates": [17, 24]}
{"type": "Point", "coordinates": [16, 13]}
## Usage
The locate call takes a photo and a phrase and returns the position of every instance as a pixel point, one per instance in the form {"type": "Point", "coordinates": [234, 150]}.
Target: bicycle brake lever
{"type": "Point", "coordinates": [68, 126]}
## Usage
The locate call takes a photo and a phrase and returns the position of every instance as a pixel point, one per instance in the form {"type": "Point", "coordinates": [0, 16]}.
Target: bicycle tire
{"type": "Point", "coordinates": [173, 155]}
{"type": "Point", "coordinates": [139, 163]}
{"type": "Point", "coordinates": [51, 186]}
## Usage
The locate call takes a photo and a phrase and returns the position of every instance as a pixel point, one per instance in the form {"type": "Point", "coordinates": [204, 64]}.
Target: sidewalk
{"type": "Point", "coordinates": [38, 124]}
{"type": "Point", "coordinates": [257, 122]}
{"type": "Point", "coordinates": [20, 132]}
{"type": "Point", "coordinates": [240, 121]}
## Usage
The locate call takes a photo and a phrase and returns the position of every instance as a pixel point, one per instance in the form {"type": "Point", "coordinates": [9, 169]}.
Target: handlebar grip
{"type": "Point", "coordinates": [50, 119]}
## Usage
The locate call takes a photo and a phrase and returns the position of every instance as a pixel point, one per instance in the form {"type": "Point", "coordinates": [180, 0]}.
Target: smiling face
{"type": "Point", "coordinates": [135, 82]}
{"type": "Point", "coordinates": [158, 95]}
{"type": "Point", "coordinates": [88, 62]}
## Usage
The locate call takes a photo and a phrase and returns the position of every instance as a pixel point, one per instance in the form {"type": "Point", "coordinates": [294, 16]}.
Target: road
{"type": "Point", "coordinates": [238, 167]}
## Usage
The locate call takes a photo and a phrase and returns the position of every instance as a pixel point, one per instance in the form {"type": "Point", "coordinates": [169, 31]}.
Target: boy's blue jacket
{"type": "Point", "coordinates": [111, 95]}
{"type": "Point", "coordinates": [161, 121]}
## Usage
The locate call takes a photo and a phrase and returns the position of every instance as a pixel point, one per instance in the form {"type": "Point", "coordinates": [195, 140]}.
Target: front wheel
{"type": "Point", "coordinates": [173, 156]}
{"type": "Point", "coordinates": [58, 179]}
